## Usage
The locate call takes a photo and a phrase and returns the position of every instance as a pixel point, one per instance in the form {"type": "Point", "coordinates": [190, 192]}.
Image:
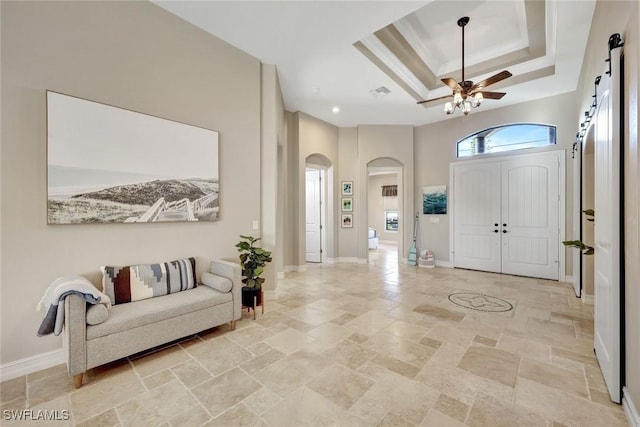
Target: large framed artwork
{"type": "Point", "coordinates": [434, 200]}
{"type": "Point", "coordinates": [110, 165]}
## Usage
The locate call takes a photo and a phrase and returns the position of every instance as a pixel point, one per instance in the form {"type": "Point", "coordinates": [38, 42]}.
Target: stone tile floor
{"type": "Point", "coordinates": [357, 345]}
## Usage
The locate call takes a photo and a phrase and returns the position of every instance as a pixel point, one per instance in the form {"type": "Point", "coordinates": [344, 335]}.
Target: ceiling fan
{"type": "Point", "coordinates": [466, 89]}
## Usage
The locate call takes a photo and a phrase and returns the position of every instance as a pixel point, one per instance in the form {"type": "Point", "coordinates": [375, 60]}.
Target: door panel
{"type": "Point", "coordinates": [506, 215]}
{"type": "Point", "coordinates": [530, 209]}
{"type": "Point", "coordinates": [477, 211]}
{"type": "Point", "coordinates": [607, 230]}
{"type": "Point", "coordinates": [313, 223]}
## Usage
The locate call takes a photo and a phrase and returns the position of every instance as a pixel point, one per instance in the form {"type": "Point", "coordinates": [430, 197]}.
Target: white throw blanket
{"type": "Point", "coordinates": [53, 301]}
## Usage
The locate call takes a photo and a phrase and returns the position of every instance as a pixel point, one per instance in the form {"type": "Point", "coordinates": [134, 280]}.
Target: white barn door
{"type": "Point", "coordinates": [607, 228]}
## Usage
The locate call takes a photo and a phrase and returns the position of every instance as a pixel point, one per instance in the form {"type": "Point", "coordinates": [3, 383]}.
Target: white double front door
{"type": "Point", "coordinates": [506, 214]}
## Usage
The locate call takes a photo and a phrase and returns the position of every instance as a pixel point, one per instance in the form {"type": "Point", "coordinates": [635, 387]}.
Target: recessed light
{"type": "Point", "coordinates": [335, 110]}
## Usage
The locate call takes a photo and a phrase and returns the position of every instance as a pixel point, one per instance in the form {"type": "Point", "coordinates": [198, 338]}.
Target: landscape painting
{"type": "Point", "coordinates": [434, 200]}
{"type": "Point", "coordinates": [111, 165]}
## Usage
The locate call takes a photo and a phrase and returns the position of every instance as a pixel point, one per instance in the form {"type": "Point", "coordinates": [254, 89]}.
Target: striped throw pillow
{"type": "Point", "coordinates": [138, 282]}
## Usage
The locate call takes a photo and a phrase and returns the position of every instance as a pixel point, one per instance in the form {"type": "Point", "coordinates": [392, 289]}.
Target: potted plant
{"type": "Point", "coordinates": [584, 248]}
{"type": "Point", "coordinates": [253, 260]}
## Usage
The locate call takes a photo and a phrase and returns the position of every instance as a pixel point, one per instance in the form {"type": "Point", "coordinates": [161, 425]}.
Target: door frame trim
{"type": "Point", "coordinates": [562, 220]}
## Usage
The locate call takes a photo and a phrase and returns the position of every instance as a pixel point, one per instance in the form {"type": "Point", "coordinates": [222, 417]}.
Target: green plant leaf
{"type": "Point", "coordinates": [253, 259]}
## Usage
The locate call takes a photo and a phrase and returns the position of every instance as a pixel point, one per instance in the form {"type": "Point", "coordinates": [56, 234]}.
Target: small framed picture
{"type": "Point", "coordinates": [347, 188]}
{"type": "Point", "coordinates": [347, 204]}
{"type": "Point", "coordinates": [347, 220]}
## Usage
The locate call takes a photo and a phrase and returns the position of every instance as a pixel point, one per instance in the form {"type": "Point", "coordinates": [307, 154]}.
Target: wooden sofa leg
{"type": "Point", "coordinates": [77, 380]}
{"type": "Point", "coordinates": [233, 325]}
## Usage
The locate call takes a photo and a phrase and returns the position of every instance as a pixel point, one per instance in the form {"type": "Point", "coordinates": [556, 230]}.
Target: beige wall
{"type": "Point", "coordinates": [273, 133]}
{"type": "Point", "coordinates": [622, 17]}
{"type": "Point", "coordinates": [378, 205]}
{"type": "Point", "coordinates": [289, 189]}
{"type": "Point", "coordinates": [436, 149]}
{"type": "Point", "coordinates": [311, 137]}
{"type": "Point", "coordinates": [133, 55]}
{"type": "Point", "coordinates": [348, 171]}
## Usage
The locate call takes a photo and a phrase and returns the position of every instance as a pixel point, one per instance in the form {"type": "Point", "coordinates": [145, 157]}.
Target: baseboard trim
{"type": "Point", "coordinates": [294, 268]}
{"type": "Point", "coordinates": [587, 299]}
{"type": "Point", "coordinates": [347, 260]}
{"type": "Point", "coordinates": [568, 279]}
{"type": "Point", "coordinates": [331, 260]}
{"type": "Point", "coordinates": [31, 364]}
{"type": "Point", "coordinates": [280, 275]}
{"type": "Point", "coordinates": [445, 264]}
{"type": "Point", "coordinates": [633, 416]}
{"type": "Point", "coordinates": [363, 261]}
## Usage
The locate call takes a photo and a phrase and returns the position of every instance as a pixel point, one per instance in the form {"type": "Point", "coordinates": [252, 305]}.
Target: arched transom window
{"type": "Point", "coordinates": [507, 138]}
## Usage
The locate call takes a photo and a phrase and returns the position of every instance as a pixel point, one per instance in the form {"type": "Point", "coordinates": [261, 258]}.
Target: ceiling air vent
{"type": "Point", "coordinates": [381, 91]}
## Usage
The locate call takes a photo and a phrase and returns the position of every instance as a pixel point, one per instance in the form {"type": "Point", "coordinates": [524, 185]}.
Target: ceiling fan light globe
{"type": "Point", "coordinates": [457, 99]}
{"type": "Point", "coordinates": [466, 107]}
{"type": "Point", "coordinates": [448, 108]}
{"type": "Point", "coordinates": [478, 98]}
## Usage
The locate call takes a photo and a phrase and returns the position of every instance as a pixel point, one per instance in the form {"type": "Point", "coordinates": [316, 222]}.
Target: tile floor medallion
{"type": "Point", "coordinates": [381, 344]}
{"type": "Point", "coordinates": [480, 302]}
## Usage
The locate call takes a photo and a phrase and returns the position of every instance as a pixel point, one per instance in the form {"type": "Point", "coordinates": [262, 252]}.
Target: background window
{"type": "Point", "coordinates": [507, 138]}
{"type": "Point", "coordinates": [391, 220]}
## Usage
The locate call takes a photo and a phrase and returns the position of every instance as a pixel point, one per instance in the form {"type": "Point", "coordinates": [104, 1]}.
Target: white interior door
{"type": "Point", "coordinates": [530, 210]}
{"type": "Point", "coordinates": [477, 216]}
{"type": "Point", "coordinates": [607, 229]}
{"type": "Point", "coordinates": [313, 209]}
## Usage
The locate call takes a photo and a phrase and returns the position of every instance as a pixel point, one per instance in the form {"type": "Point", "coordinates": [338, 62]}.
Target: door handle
{"type": "Point", "coordinates": [504, 231]}
{"type": "Point", "coordinates": [504, 225]}
{"type": "Point", "coordinates": [496, 224]}
{"type": "Point", "coordinates": [495, 231]}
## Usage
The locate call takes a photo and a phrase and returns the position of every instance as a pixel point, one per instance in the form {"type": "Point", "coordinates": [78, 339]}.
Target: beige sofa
{"type": "Point", "coordinates": [141, 325]}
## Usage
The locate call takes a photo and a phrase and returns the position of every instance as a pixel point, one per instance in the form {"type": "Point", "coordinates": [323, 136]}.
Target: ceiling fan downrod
{"type": "Point", "coordinates": [462, 22]}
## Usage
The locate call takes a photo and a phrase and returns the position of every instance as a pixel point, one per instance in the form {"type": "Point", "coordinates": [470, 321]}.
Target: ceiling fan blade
{"type": "Point", "coordinates": [491, 80]}
{"type": "Point", "coordinates": [489, 95]}
{"type": "Point", "coordinates": [434, 99]}
{"type": "Point", "coordinates": [452, 84]}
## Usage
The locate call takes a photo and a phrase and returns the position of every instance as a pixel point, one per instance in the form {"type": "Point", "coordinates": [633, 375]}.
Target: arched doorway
{"type": "Point", "coordinates": [318, 202]}
{"type": "Point", "coordinates": [385, 212]}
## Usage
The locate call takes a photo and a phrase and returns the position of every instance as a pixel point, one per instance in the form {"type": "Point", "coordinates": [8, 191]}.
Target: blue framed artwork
{"type": "Point", "coordinates": [434, 200]}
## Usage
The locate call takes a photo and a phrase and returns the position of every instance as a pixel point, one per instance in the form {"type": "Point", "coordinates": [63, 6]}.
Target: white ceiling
{"type": "Point", "coordinates": [317, 47]}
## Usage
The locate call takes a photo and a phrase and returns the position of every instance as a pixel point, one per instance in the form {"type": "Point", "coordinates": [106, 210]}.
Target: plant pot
{"type": "Point", "coordinates": [248, 295]}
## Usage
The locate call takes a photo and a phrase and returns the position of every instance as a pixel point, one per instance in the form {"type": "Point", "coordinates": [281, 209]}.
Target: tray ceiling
{"type": "Point", "coordinates": [341, 53]}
